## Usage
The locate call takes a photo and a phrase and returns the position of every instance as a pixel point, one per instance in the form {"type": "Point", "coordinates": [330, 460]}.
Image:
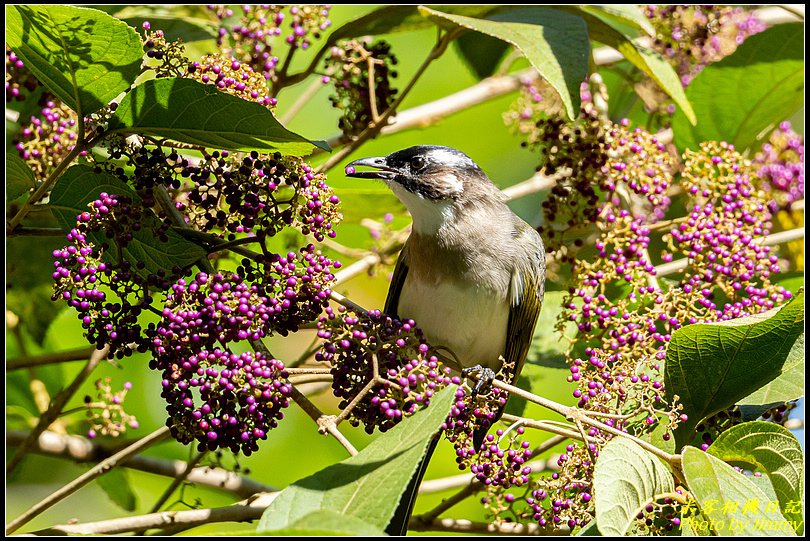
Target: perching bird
{"type": "Point", "coordinates": [471, 274]}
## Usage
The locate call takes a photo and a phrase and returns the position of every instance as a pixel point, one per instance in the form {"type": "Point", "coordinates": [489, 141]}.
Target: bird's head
{"type": "Point", "coordinates": [433, 182]}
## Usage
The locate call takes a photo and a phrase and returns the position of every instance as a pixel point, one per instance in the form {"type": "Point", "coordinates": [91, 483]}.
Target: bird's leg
{"type": "Point", "coordinates": [485, 377]}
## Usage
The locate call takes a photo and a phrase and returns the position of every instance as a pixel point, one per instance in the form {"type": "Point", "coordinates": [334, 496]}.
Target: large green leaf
{"type": "Point", "coordinates": [712, 366]}
{"type": "Point", "coordinates": [727, 497]}
{"type": "Point", "coordinates": [80, 185]}
{"type": "Point", "coordinates": [116, 484]}
{"type": "Point", "coordinates": [607, 29]}
{"type": "Point", "coordinates": [192, 112]}
{"type": "Point", "coordinates": [368, 485]}
{"type": "Point", "coordinates": [19, 177]}
{"type": "Point", "coordinates": [555, 43]}
{"type": "Point", "coordinates": [84, 56]}
{"type": "Point", "coordinates": [788, 385]}
{"type": "Point", "coordinates": [741, 97]}
{"type": "Point", "coordinates": [625, 479]}
{"type": "Point", "coordinates": [621, 15]}
{"type": "Point", "coordinates": [772, 449]}
{"type": "Point", "coordinates": [326, 522]}
{"type": "Point", "coordinates": [390, 19]}
{"type": "Point", "coordinates": [481, 53]}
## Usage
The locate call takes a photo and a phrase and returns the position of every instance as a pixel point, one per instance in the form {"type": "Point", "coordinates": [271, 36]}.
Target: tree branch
{"type": "Point", "coordinates": [29, 361]}
{"type": "Point", "coordinates": [82, 450]}
{"type": "Point", "coordinates": [56, 407]}
{"type": "Point", "coordinates": [97, 471]}
{"type": "Point", "coordinates": [244, 511]}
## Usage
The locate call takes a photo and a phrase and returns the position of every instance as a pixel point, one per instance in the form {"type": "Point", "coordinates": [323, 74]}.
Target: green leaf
{"type": "Point", "coordinates": [740, 98]}
{"type": "Point", "coordinates": [19, 177]}
{"type": "Point", "coordinates": [80, 185]}
{"type": "Point", "coordinates": [788, 385]}
{"type": "Point", "coordinates": [555, 43]}
{"type": "Point", "coordinates": [84, 56]}
{"type": "Point", "coordinates": [116, 484]}
{"type": "Point", "coordinates": [481, 53]}
{"type": "Point", "coordinates": [625, 479]}
{"type": "Point", "coordinates": [548, 346]}
{"type": "Point", "coordinates": [196, 113]}
{"type": "Point", "coordinates": [390, 19]}
{"type": "Point", "coordinates": [711, 366]}
{"type": "Point", "coordinates": [605, 29]}
{"type": "Point", "coordinates": [368, 485]}
{"type": "Point", "coordinates": [325, 522]}
{"type": "Point", "coordinates": [621, 15]}
{"type": "Point", "coordinates": [772, 449]}
{"type": "Point", "coordinates": [726, 497]}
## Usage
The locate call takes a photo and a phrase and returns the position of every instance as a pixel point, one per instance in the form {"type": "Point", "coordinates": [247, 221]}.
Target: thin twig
{"type": "Point", "coordinates": [467, 527]}
{"type": "Point", "coordinates": [80, 450]}
{"type": "Point", "coordinates": [95, 472]}
{"type": "Point", "coordinates": [771, 240]}
{"type": "Point", "coordinates": [247, 510]}
{"type": "Point", "coordinates": [56, 407]}
{"type": "Point", "coordinates": [29, 361]}
{"type": "Point", "coordinates": [325, 423]}
{"type": "Point", "coordinates": [36, 232]}
{"type": "Point", "coordinates": [302, 100]}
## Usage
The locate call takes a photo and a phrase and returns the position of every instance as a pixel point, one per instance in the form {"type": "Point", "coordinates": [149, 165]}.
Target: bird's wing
{"type": "Point", "coordinates": [526, 294]}
{"type": "Point", "coordinates": [394, 290]}
{"type": "Point", "coordinates": [526, 298]}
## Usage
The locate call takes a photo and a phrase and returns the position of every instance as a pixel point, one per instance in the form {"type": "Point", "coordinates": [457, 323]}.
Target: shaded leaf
{"type": "Point", "coordinates": [555, 43]}
{"type": "Point", "coordinates": [481, 53]}
{"type": "Point", "coordinates": [711, 366]}
{"type": "Point", "coordinates": [368, 485]}
{"type": "Point", "coordinates": [740, 98]}
{"type": "Point", "coordinates": [625, 479]}
{"type": "Point", "coordinates": [19, 177]}
{"type": "Point", "coordinates": [199, 114]}
{"type": "Point", "coordinates": [84, 56]}
{"type": "Point", "coordinates": [603, 28]}
{"type": "Point", "coordinates": [390, 19]}
{"type": "Point", "coordinates": [772, 449]}
{"type": "Point", "coordinates": [116, 484]}
{"type": "Point", "coordinates": [80, 185]}
{"type": "Point", "coordinates": [788, 385]}
{"type": "Point", "coordinates": [621, 15]}
{"type": "Point", "coordinates": [722, 494]}
{"type": "Point", "coordinates": [548, 346]}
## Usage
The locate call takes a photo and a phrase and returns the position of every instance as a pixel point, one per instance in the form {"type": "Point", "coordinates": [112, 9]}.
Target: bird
{"type": "Point", "coordinates": [471, 274]}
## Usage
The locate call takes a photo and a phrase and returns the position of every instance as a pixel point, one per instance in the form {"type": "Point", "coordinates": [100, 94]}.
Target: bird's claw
{"type": "Point", "coordinates": [485, 377]}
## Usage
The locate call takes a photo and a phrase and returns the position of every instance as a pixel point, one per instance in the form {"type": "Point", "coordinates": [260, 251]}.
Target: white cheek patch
{"type": "Point", "coordinates": [450, 184]}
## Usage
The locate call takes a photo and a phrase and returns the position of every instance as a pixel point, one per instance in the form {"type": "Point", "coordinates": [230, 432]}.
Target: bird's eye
{"type": "Point", "coordinates": [418, 163]}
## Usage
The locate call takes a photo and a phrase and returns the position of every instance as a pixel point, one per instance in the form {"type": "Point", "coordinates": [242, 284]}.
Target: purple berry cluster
{"type": "Point", "coordinates": [223, 400]}
{"type": "Point", "coordinates": [260, 195]}
{"type": "Point", "coordinates": [504, 466]}
{"type": "Point", "coordinates": [260, 28]}
{"type": "Point", "coordinates": [20, 82]}
{"type": "Point", "coordinates": [381, 365]}
{"type": "Point", "coordinates": [692, 37]}
{"type": "Point", "coordinates": [106, 413]}
{"type": "Point", "coordinates": [361, 73]}
{"type": "Point", "coordinates": [564, 498]}
{"type": "Point", "coordinates": [92, 275]}
{"type": "Point", "coordinates": [166, 58]}
{"type": "Point", "coordinates": [45, 140]}
{"type": "Point", "coordinates": [233, 77]}
{"type": "Point", "coordinates": [780, 167]}
{"type": "Point", "coordinates": [719, 237]}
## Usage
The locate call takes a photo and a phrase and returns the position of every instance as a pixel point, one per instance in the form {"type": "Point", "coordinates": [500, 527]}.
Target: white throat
{"type": "Point", "coordinates": [428, 216]}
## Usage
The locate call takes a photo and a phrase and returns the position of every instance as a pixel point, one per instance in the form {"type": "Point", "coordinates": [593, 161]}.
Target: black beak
{"type": "Point", "coordinates": [385, 172]}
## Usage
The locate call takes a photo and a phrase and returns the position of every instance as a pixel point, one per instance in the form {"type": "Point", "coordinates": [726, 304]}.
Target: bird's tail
{"type": "Point", "coordinates": [402, 515]}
